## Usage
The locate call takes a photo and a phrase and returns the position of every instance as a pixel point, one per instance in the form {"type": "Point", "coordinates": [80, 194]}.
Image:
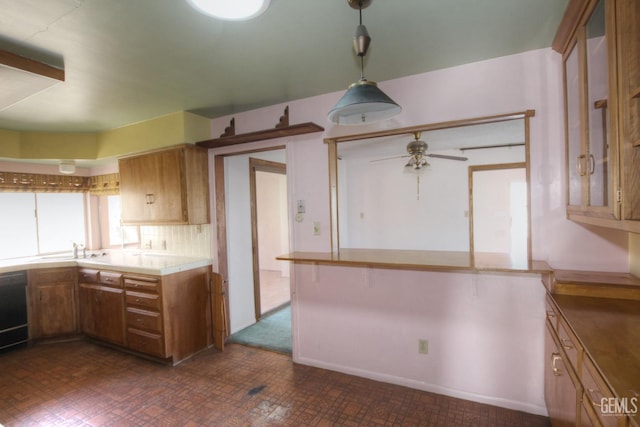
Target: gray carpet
{"type": "Point", "coordinates": [272, 332]}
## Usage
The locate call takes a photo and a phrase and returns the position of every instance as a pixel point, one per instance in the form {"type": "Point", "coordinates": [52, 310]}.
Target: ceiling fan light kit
{"type": "Point", "coordinates": [230, 10]}
{"type": "Point", "coordinates": [363, 102]}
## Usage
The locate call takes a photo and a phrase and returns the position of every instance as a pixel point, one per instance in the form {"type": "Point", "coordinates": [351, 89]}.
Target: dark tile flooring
{"type": "Point", "coordinates": [80, 383]}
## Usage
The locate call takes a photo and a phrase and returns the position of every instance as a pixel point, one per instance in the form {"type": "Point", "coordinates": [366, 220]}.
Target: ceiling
{"type": "Point", "coordinates": [132, 60]}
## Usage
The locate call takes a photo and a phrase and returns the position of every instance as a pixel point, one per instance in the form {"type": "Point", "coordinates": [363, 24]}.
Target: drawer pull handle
{"type": "Point", "coordinates": [554, 358]}
{"type": "Point", "coordinates": [567, 344]}
{"type": "Point", "coordinates": [137, 299]}
{"type": "Point", "coordinates": [550, 314]}
{"type": "Point", "coordinates": [591, 393]}
{"type": "Point", "coordinates": [138, 320]}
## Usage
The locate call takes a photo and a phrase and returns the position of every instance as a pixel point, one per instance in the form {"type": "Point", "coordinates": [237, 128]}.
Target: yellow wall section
{"type": "Point", "coordinates": [172, 129]}
{"type": "Point", "coordinates": [9, 144]}
{"type": "Point", "coordinates": [176, 128]}
{"type": "Point", "coordinates": [47, 145]}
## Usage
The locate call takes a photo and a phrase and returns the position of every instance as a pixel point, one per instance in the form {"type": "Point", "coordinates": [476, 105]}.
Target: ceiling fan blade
{"type": "Point", "coordinates": [387, 158]}
{"type": "Point", "coordinates": [442, 156]}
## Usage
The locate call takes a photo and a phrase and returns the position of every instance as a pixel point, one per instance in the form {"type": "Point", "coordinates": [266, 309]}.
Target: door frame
{"type": "Point", "coordinates": [221, 227]}
{"type": "Point", "coordinates": [258, 165]}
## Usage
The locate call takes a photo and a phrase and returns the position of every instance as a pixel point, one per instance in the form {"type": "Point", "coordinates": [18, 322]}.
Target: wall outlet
{"type": "Point", "coordinates": [423, 346]}
{"type": "Point", "coordinates": [316, 228]}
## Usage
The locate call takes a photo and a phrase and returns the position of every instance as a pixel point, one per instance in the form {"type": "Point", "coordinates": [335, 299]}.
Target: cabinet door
{"type": "Point", "coordinates": [168, 197]}
{"type": "Point", "coordinates": [560, 393]}
{"type": "Point", "coordinates": [132, 192]}
{"type": "Point", "coordinates": [600, 155]}
{"type": "Point", "coordinates": [102, 312]}
{"type": "Point", "coordinates": [110, 318]}
{"type": "Point", "coordinates": [152, 188]}
{"type": "Point", "coordinates": [573, 132]}
{"type": "Point", "coordinates": [590, 103]}
{"type": "Point", "coordinates": [88, 300]}
{"type": "Point", "coordinates": [55, 310]}
{"type": "Point", "coordinates": [628, 24]}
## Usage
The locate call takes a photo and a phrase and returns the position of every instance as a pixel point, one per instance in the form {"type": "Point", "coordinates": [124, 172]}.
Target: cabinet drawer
{"type": "Point", "coordinates": [596, 393]}
{"type": "Point", "coordinates": [142, 299]}
{"type": "Point", "coordinates": [144, 319]}
{"type": "Point", "coordinates": [551, 313]}
{"type": "Point", "coordinates": [148, 284]}
{"type": "Point", "coordinates": [86, 275]}
{"type": "Point", "coordinates": [52, 275]}
{"type": "Point", "coordinates": [111, 278]}
{"type": "Point", "coordinates": [145, 342]}
{"type": "Point", "coordinates": [569, 343]}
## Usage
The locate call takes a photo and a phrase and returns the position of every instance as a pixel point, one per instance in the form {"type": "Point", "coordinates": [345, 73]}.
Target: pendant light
{"type": "Point", "coordinates": [363, 102]}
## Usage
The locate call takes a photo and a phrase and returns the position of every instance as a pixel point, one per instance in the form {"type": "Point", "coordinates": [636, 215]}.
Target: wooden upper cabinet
{"type": "Point", "coordinates": [589, 77]}
{"type": "Point", "coordinates": [628, 34]}
{"type": "Point", "coordinates": [169, 186]}
{"type": "Point", "coordinates": [599, 42]}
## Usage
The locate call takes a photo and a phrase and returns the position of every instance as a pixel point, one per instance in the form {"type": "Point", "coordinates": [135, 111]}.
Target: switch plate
{"type": "Point", "coordinates": [300, 206]}
{"type": "Point", "coordinates": [316, 228]}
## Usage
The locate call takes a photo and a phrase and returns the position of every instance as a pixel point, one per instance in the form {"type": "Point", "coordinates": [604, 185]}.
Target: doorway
{"type": "Point", "coordinates": [269, 234]}
{"type": "Point", "coordinates": [238, 255]}
{"type": "Point", "coordinates": [499, 215]}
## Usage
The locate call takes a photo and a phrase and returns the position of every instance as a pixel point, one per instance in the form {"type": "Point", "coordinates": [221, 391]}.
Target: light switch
{"type": "Point", "coordinates": [316, 228]}
{"type": "Point", "coordinates": [300, 207]}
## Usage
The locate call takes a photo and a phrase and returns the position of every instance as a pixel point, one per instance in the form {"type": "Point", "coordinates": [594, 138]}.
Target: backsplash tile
{"type": "Point", "coordinates": [185, 240]}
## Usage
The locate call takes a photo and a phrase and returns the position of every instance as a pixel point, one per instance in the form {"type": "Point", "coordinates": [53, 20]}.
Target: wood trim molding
{"type": "Point", "coordinates": [256, 165]}
{"type": "Point", "coordinates": [572, 15]}
{"type": "Point", "coordinates": [12, 60]}
{"type": "Point", "coordinates": [281, 130]}
{"type": "Point", "coordinates": [433, 126]}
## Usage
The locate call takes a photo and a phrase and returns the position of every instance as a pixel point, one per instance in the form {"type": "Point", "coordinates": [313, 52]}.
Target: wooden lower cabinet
{"type": "Point", "coordinates": [561, 389]}
{"type": "Point", "coordinates": [166, 317]}
{"type": "Point", "coordinates": [574, 389]}
{"type": "Point", "coordinates": [102, 306]}
{"type": "Point", "coordinates": [52, 302]}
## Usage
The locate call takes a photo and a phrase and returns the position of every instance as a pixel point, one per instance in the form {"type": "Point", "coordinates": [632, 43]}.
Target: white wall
{"type": "Point", "coordinates": [343, 322]}
{"type": "Point", "coordinates": [430, 215]}
{"type": "Point", "coordinates": [271, 202]}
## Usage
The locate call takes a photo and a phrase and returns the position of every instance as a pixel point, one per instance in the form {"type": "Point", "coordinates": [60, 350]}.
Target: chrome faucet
{"type": "Point", "coordinates": [77, 247]}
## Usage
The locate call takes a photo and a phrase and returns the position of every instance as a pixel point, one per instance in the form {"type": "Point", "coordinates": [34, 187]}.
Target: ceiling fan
{"type": "Point", "coordinates": [417, 150]}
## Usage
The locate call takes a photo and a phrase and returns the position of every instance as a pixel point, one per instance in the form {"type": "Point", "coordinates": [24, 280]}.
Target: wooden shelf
{"type": "Point", "coordinates": [282, 129]}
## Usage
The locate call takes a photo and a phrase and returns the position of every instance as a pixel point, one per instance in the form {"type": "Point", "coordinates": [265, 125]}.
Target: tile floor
{"type": "Point", "coordinates": [82, 384]}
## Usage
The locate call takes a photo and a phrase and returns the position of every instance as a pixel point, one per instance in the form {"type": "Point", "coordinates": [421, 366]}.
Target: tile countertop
{"type": "Point", "coordinates": [128, 262]}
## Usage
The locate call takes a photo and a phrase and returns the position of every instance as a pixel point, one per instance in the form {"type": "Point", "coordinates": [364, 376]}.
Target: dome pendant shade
{"type": "Point", "coordinates": [363, 103]}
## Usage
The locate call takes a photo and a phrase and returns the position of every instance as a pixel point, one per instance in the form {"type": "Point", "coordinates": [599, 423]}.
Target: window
{"type": "Point", "coordinates": [40, 223]}
{"type": "Point", "coordinates": [113, 233]}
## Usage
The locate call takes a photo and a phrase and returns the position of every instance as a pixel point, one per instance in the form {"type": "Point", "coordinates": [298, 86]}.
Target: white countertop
{"type": "Point", "coordinates": [124, 261]}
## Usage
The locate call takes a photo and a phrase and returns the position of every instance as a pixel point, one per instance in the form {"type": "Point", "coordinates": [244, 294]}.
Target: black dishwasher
{"type": "Point", "coordinates": [14, 329]}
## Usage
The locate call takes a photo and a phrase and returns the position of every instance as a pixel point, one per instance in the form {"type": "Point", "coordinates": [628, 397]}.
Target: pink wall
{"type": "Point", "coordinates": [485, 331]}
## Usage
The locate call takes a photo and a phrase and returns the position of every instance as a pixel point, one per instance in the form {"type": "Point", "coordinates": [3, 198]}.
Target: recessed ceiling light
{"type": "Point", "coordinates": [231, 10]}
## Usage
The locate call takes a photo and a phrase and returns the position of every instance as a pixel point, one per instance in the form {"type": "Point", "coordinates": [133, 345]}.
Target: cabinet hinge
{"type": "Point", "coordinates": [619, 196]}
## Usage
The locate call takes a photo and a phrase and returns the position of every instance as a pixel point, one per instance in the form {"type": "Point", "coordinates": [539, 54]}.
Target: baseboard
{"type": "Point", "coordinates": [432, 388]}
